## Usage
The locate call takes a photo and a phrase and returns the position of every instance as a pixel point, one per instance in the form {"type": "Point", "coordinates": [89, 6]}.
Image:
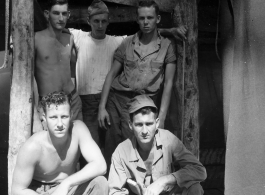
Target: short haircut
{"type": "Point", "coordinates": [148, 3]}
{"type": "Point", "coordinates": [51, 3]}
{"type": "Point", "coordinates": [143, 111]}
{"type": "Point", "coordinates": [56, 98]}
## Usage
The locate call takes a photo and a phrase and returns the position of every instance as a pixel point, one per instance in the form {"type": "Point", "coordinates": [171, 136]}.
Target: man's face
{"type": "Point", "coordinates": [144, 127]}
{"type": "Point", "coordinates": [147, 19]}
{"type": "Point", "coordinates": [58, 119]}
{"type": "Point", "coordinates": [57, 16]}
{"type": "Point", "coordinates": [99, 24]}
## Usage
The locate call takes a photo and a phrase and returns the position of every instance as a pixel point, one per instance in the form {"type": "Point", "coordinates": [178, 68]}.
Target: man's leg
{"type": "Point", "coordinates": [97, 186]}
{"type": "Point", "coordinates": [90, 105]}
{"type": "Point", "coordinates": [195, 189]}
{"type": "Point", "coordinates": [76, 107]}
{"type": "Point", "coordinates": [113, 133]}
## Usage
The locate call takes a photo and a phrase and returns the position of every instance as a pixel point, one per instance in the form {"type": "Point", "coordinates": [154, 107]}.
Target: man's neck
{"type": "Point", "coordinates": [147, 38]}
{"type": "Point", "coordinates": [54, 32]}
{"type": "Point", "coordinates": [145, 149]}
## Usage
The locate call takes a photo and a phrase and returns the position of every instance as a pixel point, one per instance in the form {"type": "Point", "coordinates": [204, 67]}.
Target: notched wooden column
{"type": "Point", "coordinates": [185, 12]}
{"type": "Point", "coordinates": [20, 115]}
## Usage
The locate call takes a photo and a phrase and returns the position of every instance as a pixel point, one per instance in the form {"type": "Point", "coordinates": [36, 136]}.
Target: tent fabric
{"type": "Point", "coordinates": [244, 98]}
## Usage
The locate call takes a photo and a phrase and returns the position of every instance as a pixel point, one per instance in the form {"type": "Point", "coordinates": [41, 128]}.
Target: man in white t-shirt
{"type": "Point", "coordinates": [95, 52]}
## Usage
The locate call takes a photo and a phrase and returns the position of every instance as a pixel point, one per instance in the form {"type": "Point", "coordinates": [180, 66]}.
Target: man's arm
{"type": "Point", "coordinates": [103, 114]}
{"type": "Point", "coordinates": [96, 164]}
{"type": "Point", "coordinates": [179, 33]}
{"type": "Point", "coordinates": [117, 176]}
{"type": "Point", "coordinates": [73, 60]}
{"type": "Point", "coordinates": [28, 156]}
{"type": "Point", "coordinates": [168, 83]}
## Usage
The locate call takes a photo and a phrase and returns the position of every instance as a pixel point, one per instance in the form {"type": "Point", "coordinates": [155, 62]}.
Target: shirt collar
{"type": "Point", "coordinates": [136, 38]}
{"type": "Point", "coordinates": [134, 156]}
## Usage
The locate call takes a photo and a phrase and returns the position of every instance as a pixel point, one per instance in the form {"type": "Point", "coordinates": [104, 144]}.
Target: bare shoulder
{"type": "Point", "coordinates": [33, 147]}
{"type": "Point", "coordinates": [80, 128]}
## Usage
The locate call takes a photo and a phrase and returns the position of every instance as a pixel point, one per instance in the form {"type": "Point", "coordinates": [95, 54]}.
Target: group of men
{"type": "Point", "coordinates": [123, 85]}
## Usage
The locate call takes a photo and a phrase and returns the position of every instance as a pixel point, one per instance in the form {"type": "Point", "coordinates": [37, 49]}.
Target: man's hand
{"type": "Point", "coordinates": [62, 189]}
{"type": "Point", "coordinates": [179, 32]}
{"type": "Point", "coordinates": [103, 117]}
{"type": "Point", "coordinates": [155, 188]}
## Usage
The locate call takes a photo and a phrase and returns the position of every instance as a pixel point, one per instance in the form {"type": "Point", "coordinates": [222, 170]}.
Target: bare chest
{"type": "Point", "coordinates": [54, 165]}
{"type": "Point", "coordinates": [53, 52]}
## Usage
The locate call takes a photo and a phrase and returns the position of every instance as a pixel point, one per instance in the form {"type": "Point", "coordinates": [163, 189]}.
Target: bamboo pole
{"type": "Point", "coordinates": [20, 115]}
{"type": "Point", "coordinates": [185, 12]}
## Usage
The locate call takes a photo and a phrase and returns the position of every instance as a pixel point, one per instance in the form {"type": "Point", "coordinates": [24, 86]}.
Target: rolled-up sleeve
{"type": "Point", "coordinates": [120, 52]}
{"type": "Point", "coordinates": [117, 176]}
{"type": "Point", "coordinates": [191, 170]}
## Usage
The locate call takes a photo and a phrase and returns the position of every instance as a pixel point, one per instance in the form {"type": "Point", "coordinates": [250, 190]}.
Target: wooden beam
{"type": "Point", "coordinates": [185, 12]}
{"type": "Point", "coordinates": [20, 116]}
{"type": "Point", "coordinates": [165, 5]}
{"type": "Point", "coordinates": [117, 14]}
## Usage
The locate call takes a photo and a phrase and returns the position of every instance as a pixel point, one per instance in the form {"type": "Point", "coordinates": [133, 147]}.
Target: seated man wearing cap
{"type": "Point", "coordinates": [46, 163]}
{"type": "Point", "coordinates": [153, 161]}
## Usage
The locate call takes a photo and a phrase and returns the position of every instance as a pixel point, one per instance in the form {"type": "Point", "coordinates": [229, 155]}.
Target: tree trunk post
{"type": "Point", "coordinates": [185, 12]}
{"type": "Point", "coordinates": [20, 115]}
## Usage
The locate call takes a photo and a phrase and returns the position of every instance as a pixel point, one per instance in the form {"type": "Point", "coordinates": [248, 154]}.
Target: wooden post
{"type": "Point", "coordinates": [20, 116]}
{"type": "Point", "coordinates": [185, 12]}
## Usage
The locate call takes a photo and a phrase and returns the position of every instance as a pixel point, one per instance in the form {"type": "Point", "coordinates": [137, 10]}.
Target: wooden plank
{"type": "Point", "coordinates": [20, 114]}
{"type": "Point", "coordinates": [117, 14]}
{"type": "Point", "coordinates": [165, 5]}
{"type": "Point", "coordinates": [185, 12]}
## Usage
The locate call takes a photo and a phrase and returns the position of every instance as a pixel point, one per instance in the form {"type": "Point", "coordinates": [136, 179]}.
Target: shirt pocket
{"type": "Point", "coordinates": [159, 172]}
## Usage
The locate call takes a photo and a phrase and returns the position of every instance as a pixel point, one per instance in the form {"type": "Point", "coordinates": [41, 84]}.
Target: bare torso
{"type": "Point", "coordinates": [52, 62]}
{"type": "Point", "coordinates": [53, 165]}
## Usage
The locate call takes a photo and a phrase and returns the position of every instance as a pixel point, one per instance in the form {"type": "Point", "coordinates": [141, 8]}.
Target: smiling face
{"type": "Point", "coordinates": [99, 24]}
{"type": "Point", "coordinates": [57, 16]}
{"type": "Point", "coordinates": [147, 19]}
{"type": "Point", "coordinates": [58, 119]}
{"type": "Point", "coordinates": [144, 127]}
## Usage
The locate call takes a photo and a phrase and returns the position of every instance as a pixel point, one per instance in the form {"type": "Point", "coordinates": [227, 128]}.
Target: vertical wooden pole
{"type": "Point", "coordinates": [185, 12]}
{"type": "Point", "coordinates": [20, 116]}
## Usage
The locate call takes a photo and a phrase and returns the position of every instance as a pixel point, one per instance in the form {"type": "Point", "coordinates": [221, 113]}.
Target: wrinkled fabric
{"type": "Point", "coordinates": [143, 72]}
{"type": "Point", "coordinates": [170, 157]}
{"type": "Point", "coordinates": [97, 186]}
{"type": "Point", "coordinates": [244, 97]}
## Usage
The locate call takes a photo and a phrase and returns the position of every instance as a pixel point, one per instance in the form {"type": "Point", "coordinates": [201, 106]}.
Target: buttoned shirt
{"type": "Point", "coordinates": [143, 71]}
{"type": "Point", "coordinates": [94, 59]}
{"type": "Point", "coordinates": [170, 157]}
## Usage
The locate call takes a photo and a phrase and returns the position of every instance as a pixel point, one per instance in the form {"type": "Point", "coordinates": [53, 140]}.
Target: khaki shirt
{"type": "Point", "coordinates": [143, 72]}
{"type": "Point", "coordinates": [170, 157]}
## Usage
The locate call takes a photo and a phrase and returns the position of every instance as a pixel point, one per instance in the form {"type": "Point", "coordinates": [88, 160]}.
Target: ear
{"type": "Point", "coordinates": [46, 14]}
{"type": "Point", "coordinates": [71, 115]}
{"type": "Point", "coordinates": [43, 116]}
{"type": "Point", "coordinates": [158, 19]}
{"type": "Point", "coordinates": [130, 124]}
{"type": "Point", "coordinates": [69, 14]}
{"type": "Point", "coordinates": [87, 19]}
{"type": "Point", "coordinates": [157, 122]}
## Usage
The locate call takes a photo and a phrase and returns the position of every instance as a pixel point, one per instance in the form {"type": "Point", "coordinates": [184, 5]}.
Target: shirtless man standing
{"type": "Point", "coordinates": [46, 163]}
{"type": "Point", "coordinates": [53, 53]}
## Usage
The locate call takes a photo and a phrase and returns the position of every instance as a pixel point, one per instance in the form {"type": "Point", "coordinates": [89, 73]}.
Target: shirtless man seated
{"type": "Point", "coordinates": [54, 50]}
{"type": "Point", "coordinates": [46, 163]}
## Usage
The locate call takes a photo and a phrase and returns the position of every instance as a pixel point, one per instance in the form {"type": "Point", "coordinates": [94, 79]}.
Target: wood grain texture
{"type": "Point", "coordinates": [185, 13]}
{"type": "Point", "coordinates": [164, 5]}
{"type": "Point", "coordinates": [20, 115]}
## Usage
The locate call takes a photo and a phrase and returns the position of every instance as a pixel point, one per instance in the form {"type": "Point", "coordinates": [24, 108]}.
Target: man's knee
{"type": "Point", "coordinates": [100, 184]}
{"type": "Point", "coordinates": [195, 189]}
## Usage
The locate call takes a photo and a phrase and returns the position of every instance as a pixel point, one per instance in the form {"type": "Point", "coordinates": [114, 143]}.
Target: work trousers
{"type": "Point", "coordinates": [97, 186]}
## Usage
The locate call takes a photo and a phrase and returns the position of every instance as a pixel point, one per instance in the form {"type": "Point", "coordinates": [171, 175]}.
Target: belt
{"type": "Point", "coordinates": [70, 95]}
